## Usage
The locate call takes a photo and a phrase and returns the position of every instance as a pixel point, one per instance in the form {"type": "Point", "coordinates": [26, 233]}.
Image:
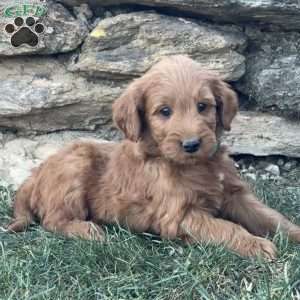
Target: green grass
{"type": "Point", "coordinates": [41, 265]}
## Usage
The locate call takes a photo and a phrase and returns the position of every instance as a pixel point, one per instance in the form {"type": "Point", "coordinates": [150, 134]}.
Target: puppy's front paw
{"type": "Point", "coordinates": [261, 247]}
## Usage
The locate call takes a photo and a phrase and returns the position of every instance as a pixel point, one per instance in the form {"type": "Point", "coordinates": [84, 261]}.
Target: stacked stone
{"type": "Point", "coordinates": [88, 51]}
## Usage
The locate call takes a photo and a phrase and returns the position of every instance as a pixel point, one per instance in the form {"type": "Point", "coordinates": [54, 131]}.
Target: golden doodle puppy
{"type": "Point", "coordinates": [169, 176]}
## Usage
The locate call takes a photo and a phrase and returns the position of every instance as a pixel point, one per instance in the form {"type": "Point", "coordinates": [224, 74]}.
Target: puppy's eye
{"type": "Point", "coordinates": [165, 111]}
{"type": "Point", "coordinates": [201, 107]}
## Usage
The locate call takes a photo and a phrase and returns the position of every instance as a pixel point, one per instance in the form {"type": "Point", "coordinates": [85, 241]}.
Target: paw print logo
{"type": "Point", "coordinates": [24, 32]}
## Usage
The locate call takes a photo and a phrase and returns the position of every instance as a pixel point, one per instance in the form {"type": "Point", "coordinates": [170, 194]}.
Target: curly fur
{"type": "Point", "coordinates": [147, 182]}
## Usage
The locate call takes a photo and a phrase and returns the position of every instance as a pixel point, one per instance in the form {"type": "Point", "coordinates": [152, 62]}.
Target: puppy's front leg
{"type": "Point", "coordinates": [201, 227]}
{"type": "Point", "coordinates": [242, 207]}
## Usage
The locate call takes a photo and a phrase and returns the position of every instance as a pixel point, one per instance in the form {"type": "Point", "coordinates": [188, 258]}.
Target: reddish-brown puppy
{"type": "Point", "coordinates": [169, 176]}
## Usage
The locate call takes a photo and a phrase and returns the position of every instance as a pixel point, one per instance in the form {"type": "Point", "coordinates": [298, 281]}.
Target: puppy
{"type": "Point", "coordinates": [170, 176]}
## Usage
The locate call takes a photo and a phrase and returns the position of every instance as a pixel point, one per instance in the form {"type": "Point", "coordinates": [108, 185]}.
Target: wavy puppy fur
{"type": "Point", "coordinates": [168, 176]}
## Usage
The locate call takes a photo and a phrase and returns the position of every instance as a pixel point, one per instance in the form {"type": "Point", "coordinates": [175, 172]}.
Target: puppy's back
{"type": "Point", "coordinates": [70, 171]}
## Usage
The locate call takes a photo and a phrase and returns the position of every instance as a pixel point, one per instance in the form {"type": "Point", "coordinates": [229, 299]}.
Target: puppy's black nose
{"type": "Point", "coordinates": [191, 145]}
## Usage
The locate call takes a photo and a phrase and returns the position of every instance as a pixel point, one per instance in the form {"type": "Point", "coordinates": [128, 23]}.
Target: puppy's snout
{"type": "Point", "coordinates": [191, 145]}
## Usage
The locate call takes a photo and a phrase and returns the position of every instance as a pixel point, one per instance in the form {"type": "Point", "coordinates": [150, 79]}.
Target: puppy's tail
{"type": "Point", "coordinates": [23, 215]}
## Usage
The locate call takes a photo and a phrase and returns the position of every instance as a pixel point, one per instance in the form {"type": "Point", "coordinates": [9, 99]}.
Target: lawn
{"type": "Point", "coordinates": [41, 265]}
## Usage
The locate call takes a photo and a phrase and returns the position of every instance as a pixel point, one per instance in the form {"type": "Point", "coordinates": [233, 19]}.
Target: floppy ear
{"type": "Point", "coordinates": [227, 103]}
{"type": "Point", "coordinates": [128, 110]}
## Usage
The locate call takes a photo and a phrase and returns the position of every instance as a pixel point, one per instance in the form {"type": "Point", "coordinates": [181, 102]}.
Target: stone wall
{"type": "Point", "coordinates": [87, 52]}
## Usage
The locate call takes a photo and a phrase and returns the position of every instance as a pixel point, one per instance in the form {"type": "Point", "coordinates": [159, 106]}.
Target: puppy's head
{"type": "Point", "coordinates": [176, 109]}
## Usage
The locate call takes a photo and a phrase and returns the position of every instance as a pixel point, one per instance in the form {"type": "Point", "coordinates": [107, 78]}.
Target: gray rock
{"type": "Point", "coordinates": [71, 3]}
{"type": "Point", "coordinates": [40, 95]}
{"type": "Point", "coordinates": [262, 164]}
{"type": "Point", "coordinates": [273, 169]}
{"type": "Point", "coordinates": [265, 176]}
{"type": "Point", "coordinates": [284, 13]}
{"type": "Point", "coordinates": [240, 164]}
{"type": "Point", "coordinates": [62, 31]}
{"type": "Point", "coordinates": [290, 165]}
{"type": "Point", "coordinates": [273, 71]}
{"type": "Point", "coordinates": [14, 168]}
{"type": "Point", "coordinates": [256, 135]}
{"type": "Point", "coordinates": [20, 155]}
{"type": "Point", "coordinates": [280, 162]}
{"type": "Point", "coordinates": [84, 14]}
{"type": "Point", "coordinates": [127, 45]}
{"type": "Point", "coordinates": [261, 134]}
{"type": "Point", "coordinates": [251, 176]}
{"type": "Point", "coordinates": [251, 169]}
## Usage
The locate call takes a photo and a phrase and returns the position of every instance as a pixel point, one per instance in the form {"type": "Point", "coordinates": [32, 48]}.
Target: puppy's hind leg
{"type": "Point", "coordinates": [70, 218]}
{"type": "Point", "coordinates": [22, 212]}
{"type": "Point", "coordinates": [76, 228]}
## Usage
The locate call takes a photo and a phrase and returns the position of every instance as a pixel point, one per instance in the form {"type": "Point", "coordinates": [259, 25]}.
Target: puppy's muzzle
{"type": "Point", "coordinates": [191, 145]}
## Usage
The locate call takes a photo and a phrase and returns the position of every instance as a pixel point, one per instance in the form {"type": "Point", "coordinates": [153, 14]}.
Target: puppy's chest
{"type": "Point", "coordinates": [180, 190]}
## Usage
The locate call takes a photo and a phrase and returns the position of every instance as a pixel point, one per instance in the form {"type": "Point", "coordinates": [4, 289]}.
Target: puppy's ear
{"type": "Point", "coordinates": [227, 103]}
{"type": "Point", "coordinates": [128, 110]}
